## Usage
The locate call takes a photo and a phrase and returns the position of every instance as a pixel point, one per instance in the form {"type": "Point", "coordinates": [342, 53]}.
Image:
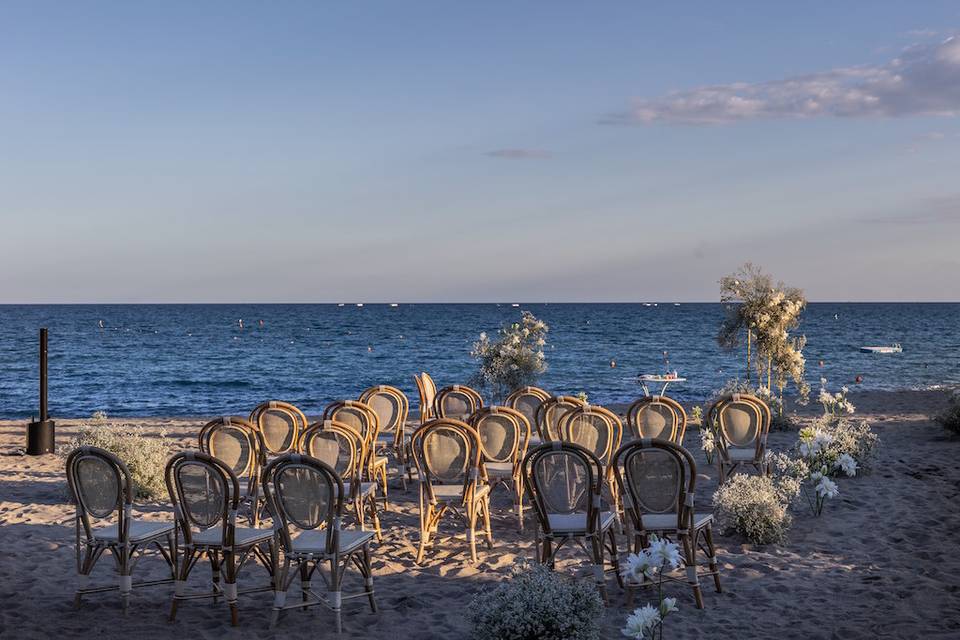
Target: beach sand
{"type": "Point", "coordinates": [882, 561]}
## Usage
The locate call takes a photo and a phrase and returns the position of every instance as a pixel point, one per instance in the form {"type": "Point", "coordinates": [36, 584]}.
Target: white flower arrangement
{"type": "Point", "coordinates": [835, 404]}
{"type": "Point", "coordinates": [515, 359]}
{"type": "Point", "coordinates": [642, 568]}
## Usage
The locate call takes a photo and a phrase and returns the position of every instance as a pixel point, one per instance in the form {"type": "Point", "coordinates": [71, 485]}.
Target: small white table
{"type": "Point", "coordinates": [646, 379]}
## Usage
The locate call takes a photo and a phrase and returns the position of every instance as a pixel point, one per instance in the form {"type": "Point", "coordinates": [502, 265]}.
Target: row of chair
{"type": "Point", "coordinates": [304, 497]}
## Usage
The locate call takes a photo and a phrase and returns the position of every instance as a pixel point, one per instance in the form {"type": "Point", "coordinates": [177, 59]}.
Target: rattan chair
{"type": "Point", "coordinates": [504, 434]}
{"type": "Point", "coordinates": [527, 400]}
{"type": "Point", "coordinates": [565, 484]}
{"type": "Point", "coordinates": [657, 417]}
{"type": "Point", "coordinates": [448, 458]}
{"type": "Point", "coordinates": [457, 402]}
{"type": "Point", "coordinates": [280, 424]}
{"type": "Point", "coordinates": [102, 491]}
{"type": "Point", "coordinates": [340, 447]}
{"type": "Point", "coordinates": [742, 423]}
{"type": "Point", "coordinates": [657, 479]}
{"type": "Point", "coordinates": [360, 417]}
{"type": "Point", "coordinates": [240, 446]}
{"type": "Point", "coordinates": [599, 431]}
{"type": "Point", "coordinates": [428, 392]}
{"type": "Point", "coordinates": [306, 498]}
{"type": "Point", "coordinates": [391, 406]}
{"type": "Point", "coordinates": [549, 413]}
{"type": "Point", "coordinates": [206, 497]}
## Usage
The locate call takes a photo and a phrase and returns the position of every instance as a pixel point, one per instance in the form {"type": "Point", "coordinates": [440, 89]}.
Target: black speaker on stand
{"type": "Point", "coordinates": [41, 436]}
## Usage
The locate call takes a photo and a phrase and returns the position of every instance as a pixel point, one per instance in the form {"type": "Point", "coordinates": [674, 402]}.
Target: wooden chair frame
{"type": "Point", "coordinates": [125, 545]}
{"type": "Point", "coordinates": [361, 496]}
{"type": "Point", "coordinates": [228, 551]}
{"type": "Point", "coordinates": [252, 498]}
{"type": "Point", "coordinates": [599, 534]}
{"type": "Point", "coordinates": [396, 431]}
{"type": "Point", "coordinates": [635, 411]}
{"type": "Point", "coordinates": [547, 422]}
{"type": "Point", "coordinates": [691, 530]}
{"type": "Point", "coordinates": [297, 417]}
{"type": "Point", "coordinates": [514, 399]}
{"type": "Point", "coordinates": [471, 397]}
{"type": "Point", "coordinates": [473, 498]}
{"type": "Point", "coordinates": [726, 464]}
{"type": "Point", "coordinates": [337, 549]}
{"type": "Point", "coordinates": [374, 466]}
{"type": "Point", "coordinates": [514, 480]}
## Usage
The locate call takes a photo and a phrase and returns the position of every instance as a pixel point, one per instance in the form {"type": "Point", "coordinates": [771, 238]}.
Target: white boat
{"type": "Point", "coordinates": [894, 348]}
{"type": "Point", "coordinates": [359, 304]}
{"type": "Point", "coordinates": [394, 304]}
{"type": "Point", "coordinates": [340, 305]}
{"type": "Point", "coordinates": [515, 305]}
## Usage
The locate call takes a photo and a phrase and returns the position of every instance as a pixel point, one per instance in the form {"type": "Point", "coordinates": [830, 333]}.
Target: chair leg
{"type": "Point", "coordinates": [375, 516]}
{"type": "Point", "coordinates": [215, 569]}
{"type": "Point", "coordinates": [690, 560]}
{"type": "Point", "coordinates": [335, 593]}
{"type": "Point", "coordinates": [485, 505]}
{"type": "Point", "coordinates": [184, 572]}
{"type": "Point", "coordinates": [615, 556]}
{"type": "Point", "coordinates": [708, 537]}
{"type": "Point", "coordinates": [596, 545]}
{"type": "Point", "coordinates": [304, 581]}
{"type": "Point", "coordinates": [368, 577]}
{"type": "Point", "coordinates": [471, 531]}
{"type": "Point", "coordinates": [279, 594]}
{"type": "Point", "coordinates": [426, 515]}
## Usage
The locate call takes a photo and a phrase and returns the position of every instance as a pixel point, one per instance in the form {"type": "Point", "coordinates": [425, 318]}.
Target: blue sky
{"type": "Point", "coordinates": [181, 152]}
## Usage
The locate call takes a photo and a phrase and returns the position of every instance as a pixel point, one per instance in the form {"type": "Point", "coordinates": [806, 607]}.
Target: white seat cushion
{"type": "Point", "coordinates": [315, 541]}
{"type": "Point", "coordinates": [577, 522]}
{"type": "Point", "coordinates": [365, 488]}
{"type": "Point", "coordinates": [668, 521]}
{"type": "Point", "coordinates": [243, 536]}
{"type": "Point", "coordinates": [741, 455]}
{"type": "Point", "coordinates": [140, 530]}
{"type": "Point", "coordinates": [454, 491]}
{"type": "Point", "coordinates": [499, 469]}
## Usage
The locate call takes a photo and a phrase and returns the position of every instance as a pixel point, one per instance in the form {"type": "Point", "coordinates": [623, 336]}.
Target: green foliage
{"type": "Point", "coordinates": [756, 507]}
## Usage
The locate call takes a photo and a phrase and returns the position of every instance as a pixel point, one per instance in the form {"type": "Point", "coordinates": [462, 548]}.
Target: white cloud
{"type": "Point", "coordinates": [928, 211]}
{"type": "Point", "coordinates": [922, 80]}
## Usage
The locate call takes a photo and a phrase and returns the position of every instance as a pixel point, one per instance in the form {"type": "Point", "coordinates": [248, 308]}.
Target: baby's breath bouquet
{"type": "Point", "coordinates": [145, 457]}
{"type": "Point", "coordinates": [537, 604]}
{"type": "Point", "coordinates": [514, 360]}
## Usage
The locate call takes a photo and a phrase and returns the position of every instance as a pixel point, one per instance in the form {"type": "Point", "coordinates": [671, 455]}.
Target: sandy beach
{"type": "Point", "coordinates": [882, 560]}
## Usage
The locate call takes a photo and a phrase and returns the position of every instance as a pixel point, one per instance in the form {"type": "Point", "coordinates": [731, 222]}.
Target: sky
{"type": "Point", "coordinates": [456, 152]}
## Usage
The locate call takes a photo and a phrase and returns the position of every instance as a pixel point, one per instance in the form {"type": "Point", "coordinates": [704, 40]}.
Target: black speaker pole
{"type": "Point", "coordinates": [41, 437]}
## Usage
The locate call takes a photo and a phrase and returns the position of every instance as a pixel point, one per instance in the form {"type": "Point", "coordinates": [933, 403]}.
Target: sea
{"type": "Point", "coordinates": [217, 359]}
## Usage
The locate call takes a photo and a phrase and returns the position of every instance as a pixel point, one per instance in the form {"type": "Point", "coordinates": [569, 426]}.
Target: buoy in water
{"type": "Point", "coordinates": [613, 364]}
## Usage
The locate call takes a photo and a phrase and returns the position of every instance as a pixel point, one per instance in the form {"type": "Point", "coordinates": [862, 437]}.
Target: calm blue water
{"type": "Point", "coordinates": [153, 360]}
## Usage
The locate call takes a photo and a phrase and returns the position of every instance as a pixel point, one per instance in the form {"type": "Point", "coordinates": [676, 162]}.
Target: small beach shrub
{"type": "Point", "coordinates": [99, 416]}
{"type": "Point", "coordinates": [537, 604]}
{"type": "Point", "coordinates": [835, 404]}
{"type": "Point", "coordinates": [755, 507]}
{"type": "Point", "coordinates": [514, 360]}
{"type": "Point", "coordinates": [949, 418]}
{"type": "Point", "coordinates": [144, 456]}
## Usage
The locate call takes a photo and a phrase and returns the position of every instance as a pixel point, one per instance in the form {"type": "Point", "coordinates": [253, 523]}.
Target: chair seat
{"type": "Point", "coordinates": [243, 536]}
{"type": "Point", "coordinates": [668, 521]}
{"type": "Point", "coordinates": [741, 455]}
{"type": "Point", "coordinates": [448, 492]}
{"type": "Point", "coordinates": [366, 488]}
{"type": "Point", "coordinates": [577, 522]}
{"type": "Point", "coordinates": [499, 469]}
{"type": "Point", "coordinates": [316, 541]}
{"type": "Point", "coordinates": [140, 531]}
